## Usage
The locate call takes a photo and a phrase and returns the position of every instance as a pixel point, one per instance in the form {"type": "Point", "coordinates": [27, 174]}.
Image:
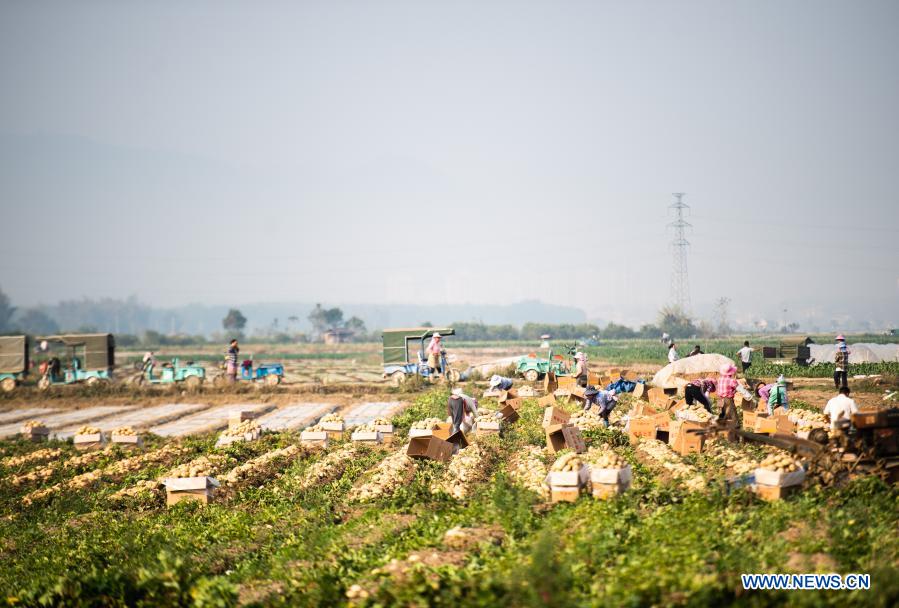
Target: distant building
{"type": "Point", "coordinates": [338, 336]}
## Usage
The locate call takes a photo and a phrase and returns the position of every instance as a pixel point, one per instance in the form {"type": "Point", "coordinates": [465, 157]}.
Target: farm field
{"type": "Point", "coordinates": [353, 525]}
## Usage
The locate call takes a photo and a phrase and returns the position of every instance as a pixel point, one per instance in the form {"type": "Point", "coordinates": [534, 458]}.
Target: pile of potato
{"type": "Point", "coordinates": [204, 466]}
{"type": "Point", "coordinates": [465, 469]}
{"type": "Point", "coordinates": [366, 428]}
{"type": "Point", "coordinates": [38, 456]}
{"type": "Point", "coordinates": [567, 462]}
{"type": "Point", "coordinates": [390, 474]}
{"type": "Point", "coordinates": [526, 467]}
{"type": "Point", "coordinates": [252, 469]}
{"type": "Point", "coordinates": [328, 468]}
{"type": "Point", "coordinates": [699, 412]}
{"type": "Point", "coordinates": [604, 459]}
{"type": "Point", "coordinates": [428, 424]}
{"type": "Point", "coordinates": [380, 421]}
{"type": "Point", "coordinates": [586, 420]}
{"type": "Point", "coordinates": [315, 428]}
{"type": "Point", "coordinates": [88, 430]}
{"type": "Point", "coordinates": [124, 430]}
{"type": "Point", "coordinates": [335, 418]}
{"type": "Point", "coordinates": [33, 424]}
{"type": "Point", "coordinates": [782, 463]}
{"type": "Point", "coordinates": [247, 426]}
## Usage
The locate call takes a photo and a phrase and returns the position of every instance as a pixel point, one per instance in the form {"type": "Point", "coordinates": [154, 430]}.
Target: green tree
{"type": "Point", "coordinates": [677, 322]}
{"type": "Point", "coordinates": [615, 331]}
{"type": "Point", "coordinates": [324, 319]}
{"type": "Point", "coordinates": [6, 312]}
{"type": "Point", "coordinates": [234, 321]}
{"type": "Point", "coordinates": [34, 321]}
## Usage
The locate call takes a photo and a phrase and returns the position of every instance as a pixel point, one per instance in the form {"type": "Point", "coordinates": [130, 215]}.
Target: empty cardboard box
{"type": "Point", "coordinates": [561, 436]}
{"type": "Point", "coordinates": [555, 415]}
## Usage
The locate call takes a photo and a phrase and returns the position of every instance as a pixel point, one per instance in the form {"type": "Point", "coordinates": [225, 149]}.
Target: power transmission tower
{"type": "Point", "coordinates": [721, 314]}
{"type": "Point", "coordinates": [680, 281]}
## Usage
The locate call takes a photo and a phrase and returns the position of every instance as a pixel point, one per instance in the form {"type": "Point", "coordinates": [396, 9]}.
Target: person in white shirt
{"type": "Point", "coordinates": [745, 355]}
{"type": "Point", "coordinates": [840, 408]}
{"type": "Point", "coordinates": [672, 353]}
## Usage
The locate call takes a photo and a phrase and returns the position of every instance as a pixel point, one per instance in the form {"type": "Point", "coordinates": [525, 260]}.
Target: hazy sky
{"type": "Point", "coordinates": [485, 152]}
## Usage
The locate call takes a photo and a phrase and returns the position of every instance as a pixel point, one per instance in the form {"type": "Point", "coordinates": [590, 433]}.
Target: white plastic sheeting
{"type": "Point", "coordinates": [697, 364]}
{"type": "Point", "coordinates": [858, 353]}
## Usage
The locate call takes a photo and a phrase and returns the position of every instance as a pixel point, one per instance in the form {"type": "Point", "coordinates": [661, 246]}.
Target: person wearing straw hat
{"type": "Point", "coordinates": [604, 400]}
{"type": "Point", "coordinates": [777, 396]}
{"type": "Point", "coordinates": [726, 387]}
{"type": "Point", "coordinates": [841, 363]}
{"type": "Point", "coordinates": [498, 383]}
{"type": "Point", "coordinates": [433, 352]}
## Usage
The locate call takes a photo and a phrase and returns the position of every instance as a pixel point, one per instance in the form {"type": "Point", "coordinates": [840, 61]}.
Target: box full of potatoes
{"type": "Point", "coordinates": [247, 430]}
{"type": "Point", "coordinates": [199, 489]}
{"type": "Point", "coordinates": [89, 438]}
{"type": "Point", "coordinates": [315, 436]}
{"type": "Point", "coordinates": [126, 436]}
{"type": "Point", "coordinates": [366, 433]}
{"type": "Point", "coordinates": [35, 430]}
{"type": "Point", "coordinates": [567, 477]}
{"type": "Point", "coordinates": [778, 476]}
{"type": "Point", "coordinates": [610, 474]}
{"type": "Point", "coordinates": [333, 425]}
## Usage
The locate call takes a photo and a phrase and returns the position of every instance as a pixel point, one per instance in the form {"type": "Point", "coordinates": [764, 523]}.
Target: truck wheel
{"type": "Point", "coordinates": [193, 381]}
{"type": "Point", "coordinates": [398, 378]}
{"type": "Point", "coordinates": [273, 380]}
{"type": "Point", "coordinates": [8, 385]}
{"type": "Point", "coordinates": [532, 375]}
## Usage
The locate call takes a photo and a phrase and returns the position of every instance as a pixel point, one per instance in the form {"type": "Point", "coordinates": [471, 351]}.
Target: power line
{"type": "Point", "coordinates": [680, 280]}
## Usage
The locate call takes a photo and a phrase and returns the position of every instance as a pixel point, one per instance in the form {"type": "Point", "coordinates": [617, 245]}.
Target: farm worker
{"type": "Point", "coordinates": [699, 390]}
{"type": "Point", "coordinates": [500, 383]}
{"type": "Point", "coordinates": [672, 353]}
{"type": "Point", "coordinates": [604, 400]}
{"type": "Point", "coordinates": [471, 409]}
{"type": "Point", "coordinates": [697, 350]}
{"type": "Point", "coordinates": [581, 372]}
{"type": "Point", "coordinates": [745, 355]}
{"type": "Point", "coordinates": [726, 387]}
{"type": "Point", "coordinates": [777, 397]}
{"type": "Point", "coordinates": [433, 351]}
{"type": "Point", "coordinates": [841, 363]}
{"type": "Point", "coordinates": [459, 406]}
{"type": "Point", "coordinates": [840, 408]}
{"type": "Point", "coordinates": [231, 361]}
{"type": "Point", "coordinates": [149, 362]}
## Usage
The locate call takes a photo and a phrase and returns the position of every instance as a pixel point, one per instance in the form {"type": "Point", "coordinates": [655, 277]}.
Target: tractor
{"type": "Point", "coordinates": [269, 373]}
{"type": "Point", "coordinates": [404, 354]}
{"type": "Point", "coordinates": [191, 374]}
{"type": "Point", "coordinates": [534, 368]}
{"type": "Point", "coordinates": [13, 361]}
{"type": "Point", "coordinates": [91, 358]}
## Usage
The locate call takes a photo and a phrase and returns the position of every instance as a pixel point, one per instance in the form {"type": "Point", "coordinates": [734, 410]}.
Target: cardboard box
{"type": "Point", "coordinates": [657, 397]}
{"type": "Point", "coordinates": [630, 376]}
{"type": "Point", "coordinates": [641, 392]}
{"type": "Point", "coordinates": [642, 428]}
{"type": "Point", "coordinates": [561, 436]}
{"type": "Point", "coordinates": [566, 382]}
{"type": "Point", "coordinates": [765, 425]}
{"type": "Point", "coordinates": [749, 417]}
{"type": "Point", "coordinates": [684, 442]}
{"type": "Point", "coordinates": [384, 429]}
{"type": "Point", "coordinates": [773, 478]}
{"type": "Point", "coordinates": [229, 439]}
{"type": "Point", "coordinates": [333, 427]}
{"type": "Point", "coordinates": [507, 395]}
{"type": "Point", "coordinates": [595, 378]}
{"type": "Point", "coordinates": [237, 417]}
{"type": "Point", "coordinates": [547, 401]}
{"type": "Point", "coordinates": [774, 492]}
{"type": "Point", "coordinates": [645, 408]}
{"type": "Point", "coordinates": [509, 412]}
{"type": "Point", "coordinates": [784, 424]}
{"type": "Point", "coordinates": [623, 476]}
{"type": "Point", "coordinates": [127, 440]}
{"type": "Point", "coordinates": [564, 494]}
{"type": "Point", "coordinates": [366, 437]}
{"type": "Point", "coordinates": [491, 427]}
{"type": "Point", "coordinates": [36, 433]}
{"type": "Point", "coordinates": [89, 442]}
{"type": "Point", "coordinates": [442, 431]}
{"type": "Point", "coordinates": [555, 415]}
{"type": "Point", "coordinates": [200, 489]}
{"type": "Point", "coordinates": [576, 479]}
{"type": "Point", "coordinates": [550, 383]}
{"type": "Point", "coordinates": [317, 438]}
{"type": "Point", "coordinates": [864, 419]}
{"type": "Point", "coordinates": [432, 447]}
{"type": "Point", "coordinates": [420, 433]}
{"type": "Point", "coordinates": [605, 491]}
{"type": "Point", "coordinates": [576, 393]}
